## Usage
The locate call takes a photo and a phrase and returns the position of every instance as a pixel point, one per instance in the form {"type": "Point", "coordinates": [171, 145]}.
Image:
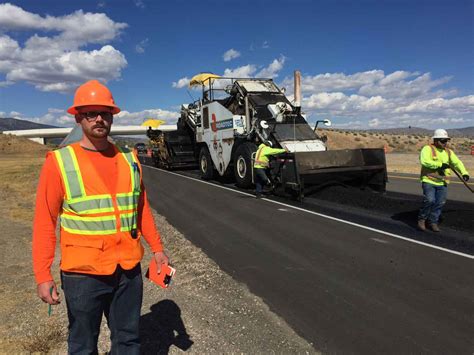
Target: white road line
{"type": "Point", "coordinates": [323, 215]}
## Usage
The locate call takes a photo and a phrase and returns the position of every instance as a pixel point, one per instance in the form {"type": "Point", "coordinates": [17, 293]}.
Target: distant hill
{"type": "Point", "coordinates": [14, 124]}
{"type": "Point", "coordinates": [467, 132]}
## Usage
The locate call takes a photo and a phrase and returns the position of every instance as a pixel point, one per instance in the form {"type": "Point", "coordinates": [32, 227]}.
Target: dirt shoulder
{"type": "Point", "coordinates": [205, 310]}
{"type": "Point", "coordinates": [409, 163]}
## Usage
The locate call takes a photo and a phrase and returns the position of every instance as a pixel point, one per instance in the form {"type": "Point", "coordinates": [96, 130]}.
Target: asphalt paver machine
{"type": "Point", "coordinates": [220, 132]}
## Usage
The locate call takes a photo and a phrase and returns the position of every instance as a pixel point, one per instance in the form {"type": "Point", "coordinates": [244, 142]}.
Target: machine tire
{"type": "Point", "coordinates": [243, 164]}
{"type": "Point", "coordinates": [205, 164]}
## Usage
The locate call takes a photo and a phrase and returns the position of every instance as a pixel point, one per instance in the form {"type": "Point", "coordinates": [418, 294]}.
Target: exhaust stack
{"type": "Point", "coordinates": [298, 90]}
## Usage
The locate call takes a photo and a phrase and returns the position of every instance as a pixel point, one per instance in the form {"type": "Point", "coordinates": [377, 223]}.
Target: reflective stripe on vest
{"type": "Point", "coordinates": [78, 205]}
{"type": "Point", "coordinates": [257, 158]}
{"type": "Point", "coordinates": [433, 174]}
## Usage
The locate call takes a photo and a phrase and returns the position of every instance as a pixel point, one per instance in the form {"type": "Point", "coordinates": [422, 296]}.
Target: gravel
{"type": "Point", "coordinates": [204, 310]}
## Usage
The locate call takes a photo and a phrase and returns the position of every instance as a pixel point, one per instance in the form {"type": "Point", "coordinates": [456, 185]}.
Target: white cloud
{"type": "Point", "coordinates": [265, 45]}
{"type": "Point", "coordinates": [181, 83]}
{"type": "Point", "coordinates": [59, 117]}
{"type": "Point", "coordinates": [58, 62]}
{"type": "Point", "coordinates": [230, 54]}
{"type": "Point", "coordinates": [271, 71]}
{"type": "Point", "coordinates": [140, 47]}
{"type": "Point", "coordinates": [382, 100]}
{"type": "Point", "coordinates": [463, 104]}
{"type": "Point", "coordinates": [244, 71]}
{"type": "Point", "coordinates": [335, 81]}
{"type": "Point", "coordinates": [374, 123]}
{"type": "Point", "coordinates": [137, 118]}
{"type": "Point", "coordinates": [395, 86]}
{"type": "Point", "coordinates": [349, 125]}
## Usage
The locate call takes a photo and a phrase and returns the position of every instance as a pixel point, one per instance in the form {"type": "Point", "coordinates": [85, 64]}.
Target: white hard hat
{"type": "Point", "coordinates": [441, 134]}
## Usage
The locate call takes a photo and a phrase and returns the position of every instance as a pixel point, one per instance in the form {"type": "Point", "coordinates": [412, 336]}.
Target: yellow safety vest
{"type": "Point", "coordinates": [432, 175]}
{"type": "Point", "coordinates": [263, 152]}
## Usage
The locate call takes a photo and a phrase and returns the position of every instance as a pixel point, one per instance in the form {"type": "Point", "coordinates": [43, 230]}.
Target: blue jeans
{"type": "Point", "coordinates": [117, 296]}
{"type": "Point", "coordinates": [260, 179]}
{"type": "Point", "coordinates": [434, 198]}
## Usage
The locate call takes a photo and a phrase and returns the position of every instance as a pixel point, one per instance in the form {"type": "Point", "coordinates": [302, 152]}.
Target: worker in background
{"type": "Point", "coordinates": [96, 190]}
{"type": "Point", "coordinates": [437, 160]}
{"type": "Point", "coordinates": [261, 164]}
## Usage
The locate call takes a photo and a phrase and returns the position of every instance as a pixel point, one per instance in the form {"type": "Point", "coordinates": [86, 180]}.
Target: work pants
{"type": "Point", "coordinates": [434, 198]}
{"type": "Point", "coordinates": [260, 179]}
{"type": "Point", "coordinates": [117, 296]}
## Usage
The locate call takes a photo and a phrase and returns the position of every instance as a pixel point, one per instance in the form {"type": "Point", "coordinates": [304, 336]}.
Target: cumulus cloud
{"type": "Point", "coordinates": [244, 71]}
{"type": "Point", "coordinates": [181, 83]}
{"type": "Point", "coordinates": [230, 54]}
{"type": "Point", "coordinates": [140, 47]}
{"type": "Point", "coordinates": [59, 117]}
{"type": "Point", "coordinates": [54, 117]}
{"type": "Point", "coordinates": [374, 123]}
{"type": "Point", "coordinates": [250, 70]}
{"type": "Point", "coordinates": [137, 118]}
{"type": "Point", "coordinates": [271, 71]}
{"type": "Point", "coordinates": [383, 100]}
{"type": "Point", "coordinates": [54, 58]}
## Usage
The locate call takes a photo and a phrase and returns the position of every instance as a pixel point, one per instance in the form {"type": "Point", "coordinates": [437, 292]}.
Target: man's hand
{"type": "Point", "coordinates": [160, 259]}
{"type": "Point", "coordinates": [465, 177]}
{"type": "Point", "coordinates": [44, 292]}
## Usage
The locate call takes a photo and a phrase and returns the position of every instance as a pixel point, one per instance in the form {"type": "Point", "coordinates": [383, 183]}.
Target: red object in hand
{"type": "Point", "coordinates": [163, 279]}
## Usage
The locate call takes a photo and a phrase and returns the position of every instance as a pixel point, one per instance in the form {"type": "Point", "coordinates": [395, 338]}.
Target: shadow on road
{"type": "Point", "coordinates": [163, 327]}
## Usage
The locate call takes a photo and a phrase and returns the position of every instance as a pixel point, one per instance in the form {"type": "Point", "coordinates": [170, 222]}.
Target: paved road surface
{"type": "Point", "coordinates": [344, 288]}
{"type": "Point", "coordinates": [410, 184]}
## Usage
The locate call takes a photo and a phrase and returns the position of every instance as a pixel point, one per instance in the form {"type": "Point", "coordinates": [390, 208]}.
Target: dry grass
{"type": "Point", "coordinates": [392, 143]}
{"type": "Point", "coordinates": [409, 163]}
{"type": "Point", "coordinates": [18, 180]}
{"type": "Point", "coordinates": [46, 338]}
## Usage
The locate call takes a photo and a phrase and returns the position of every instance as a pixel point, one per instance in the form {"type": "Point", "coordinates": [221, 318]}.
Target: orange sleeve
{"type": "Point", "coordinates": [49, 198]}
{"type": "Point", "coordinates": [146, 222]}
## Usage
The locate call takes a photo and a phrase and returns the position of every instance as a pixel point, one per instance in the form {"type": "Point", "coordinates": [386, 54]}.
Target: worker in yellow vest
{"type": "Point", "coordinates": [437, 160]}
{"type": "Point", "coordinates": [262, 163]}
{"type": "Point", "coordinates": [94, 190]}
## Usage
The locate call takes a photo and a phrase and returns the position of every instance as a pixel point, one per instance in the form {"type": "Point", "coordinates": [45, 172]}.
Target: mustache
{"type": "Point", "coordinates": [99, 126]}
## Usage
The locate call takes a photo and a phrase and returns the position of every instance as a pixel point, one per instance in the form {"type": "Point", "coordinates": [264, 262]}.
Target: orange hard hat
{"type": "Point", "coordinates": [93, 93]}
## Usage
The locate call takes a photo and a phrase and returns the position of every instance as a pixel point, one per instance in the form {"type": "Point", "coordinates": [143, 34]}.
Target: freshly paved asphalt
{"type": "Point", "coordinates": [344, 288]}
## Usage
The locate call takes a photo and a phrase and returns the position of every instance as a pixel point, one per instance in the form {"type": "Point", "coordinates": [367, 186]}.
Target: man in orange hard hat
{"type": "Point", "coordinates": [96, 189]}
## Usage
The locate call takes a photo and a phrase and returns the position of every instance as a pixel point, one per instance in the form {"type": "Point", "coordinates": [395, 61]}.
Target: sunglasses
{"type": "Point", "coordinates": [444, 141]}
{"type": "Point", "coordinates": [91, 116]}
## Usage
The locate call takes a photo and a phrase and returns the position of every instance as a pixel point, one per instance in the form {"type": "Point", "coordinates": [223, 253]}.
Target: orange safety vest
{"type": "Point", "coordinates": [97, 224]}
{"type": "Point", "coordinates": [433, 174]}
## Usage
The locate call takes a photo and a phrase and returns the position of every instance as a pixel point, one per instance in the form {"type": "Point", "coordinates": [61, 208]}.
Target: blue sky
{"type": "Point", "coordinates": [365, 64]}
